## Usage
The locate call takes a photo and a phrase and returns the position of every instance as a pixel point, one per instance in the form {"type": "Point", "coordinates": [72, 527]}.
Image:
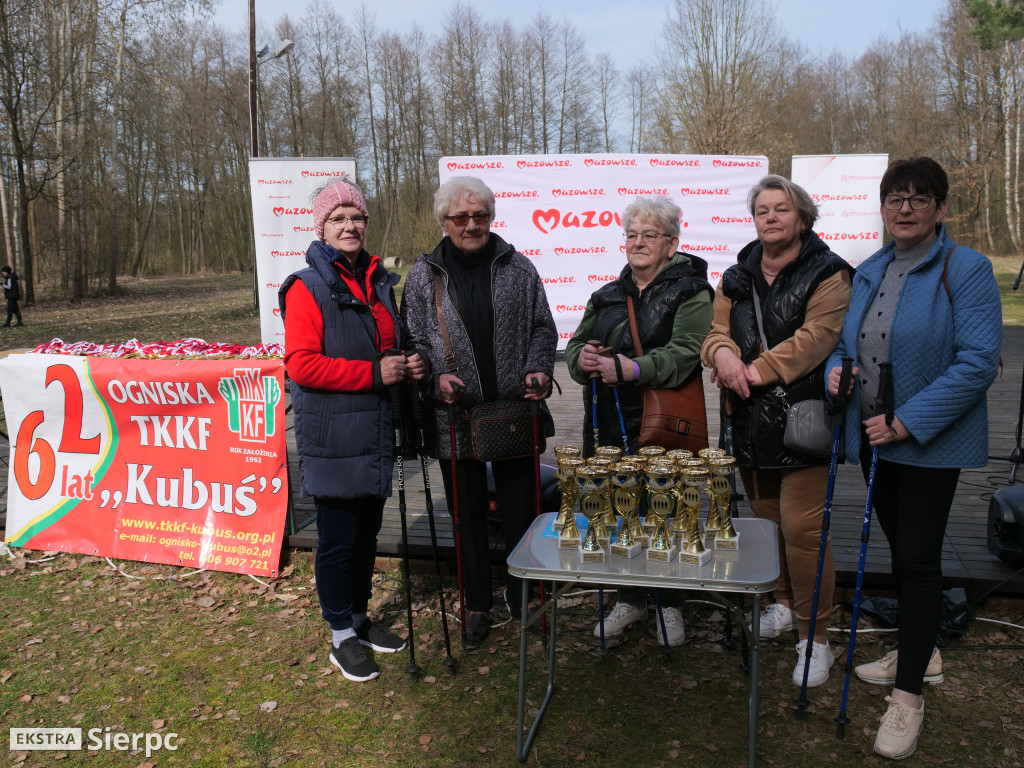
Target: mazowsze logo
{"type": "Point", "coordinates": [271, 234]}
{"type": "Point", "coordinates": [648, 191]}
{"type": "Point", "coordinates": [577, 192]}
{"type": "Point", "coordinates": [280, 210]}
{"type": "Point", "coordinates": [250, 399]}
{"type": "Point", "coordinates": [280, 254]}
{"type": "Point", "coordinates": [318, 174]}
{"type": "Point", "coordinates": [499, 224]}
{"type": "Point", "coordinates": [273, 285]}
{"type": "Point", "coordinates": [713, 247]}
{"type": "Point", "coordinates": [846, 177]}
{"type": "Point", "coordinates": [543, 163]}
{"type": "Point", "coordinates": [517, 193]}
{"type": "Point", "coordinates": [552, 218]}
{"type": "Point", "coordinates": [660, 162]}
{"type": "Point", "coordinates": [472, 166]}
{"type": "Point", "coordinates": [560, 280]}
{"type": "Point", "coordinates": [561, 308]}
{"type": "Point", "coordinates": [601, 278]}
{"type": "Point", "coordinates": [732, 219]}
{"type": "Point", "coordinates": [716, 275]}
{"type": "Point", "coordinates": [591, 162]}
{"type": "Point", "coordinates": [705, 191]}
{"type": "Point", "coordinates": [736, 163]}
{"type": "Point", "coordinates": [818, 198]}
{"type": "Point", "coordinates": [273, 181]}
{"type": "Point", "coordinates": [303, 229]}
{"type": "Point", "coordinates": [531, 252]}
{"type": "Point", "coordinates": [580, 251]}
{"type": "Point", "coordinates": [848, 235]}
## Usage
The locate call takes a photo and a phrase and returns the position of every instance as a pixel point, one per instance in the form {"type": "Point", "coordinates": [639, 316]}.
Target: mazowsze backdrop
{"type": "Point", "coordinates": [282, 218]}
{"type": "Point", "coordinates": [167, 461]}
{"type": "Point", "coordinates": [564, 213]}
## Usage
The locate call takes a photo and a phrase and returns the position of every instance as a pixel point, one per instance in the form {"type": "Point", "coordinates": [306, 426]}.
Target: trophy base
{"type": "Point", "coordinates": [695, 558]}
{"type": "Point", "coordinates": [569, 542]}
{"type": "Point", "coordinates": [644, 540]}
{"type": "Point", "coordinates": [662, 555]}
{"type": "Point", "coordinates": [604, 541]}
{"type": "Point", "coordinates": [591, 555]}
{"type": "Point", "coordinates": [557, 526]}
{"type": "Point", "coordinates": [621, 550]}
{"type": "Point", "coordinates": [733, 542]}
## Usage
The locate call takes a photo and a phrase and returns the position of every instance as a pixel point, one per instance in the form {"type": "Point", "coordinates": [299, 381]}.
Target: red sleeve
{"type": "Point", "coordinates": [304, 349]}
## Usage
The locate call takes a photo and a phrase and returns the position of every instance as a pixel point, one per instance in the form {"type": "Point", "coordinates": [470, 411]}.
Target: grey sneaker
{"type": "Point", "coordinates": [351, 659]}
{"type": "Point", "coordinates": [883, 671]}
{"type": "Point", "coordinates": [900, 729]}
{"type": "Point", "coordinates": [673, 626]}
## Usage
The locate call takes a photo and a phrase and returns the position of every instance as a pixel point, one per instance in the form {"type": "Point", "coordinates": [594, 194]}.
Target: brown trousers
{"type": "Point", "coordinates": [794, 499]}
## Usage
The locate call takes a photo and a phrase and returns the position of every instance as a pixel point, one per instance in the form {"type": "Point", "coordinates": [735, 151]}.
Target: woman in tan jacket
{"type": "Point", "coordinates": [788, 283]}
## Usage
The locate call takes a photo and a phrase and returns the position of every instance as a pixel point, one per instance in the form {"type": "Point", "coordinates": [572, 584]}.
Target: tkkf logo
{"type": "Point", "coordinates": [251, 399]}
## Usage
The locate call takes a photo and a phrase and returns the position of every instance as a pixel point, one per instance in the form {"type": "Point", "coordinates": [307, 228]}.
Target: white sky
{"type": "Point", "coordinates": [630, 32]}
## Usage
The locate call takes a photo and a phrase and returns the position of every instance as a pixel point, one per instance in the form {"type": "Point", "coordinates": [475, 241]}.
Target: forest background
{"type": "Point", "coordinates": [125, 138]}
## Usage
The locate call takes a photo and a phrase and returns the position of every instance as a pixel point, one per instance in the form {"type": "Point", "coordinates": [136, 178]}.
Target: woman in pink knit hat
{"type": "Point", "coordinates": [345, 346]}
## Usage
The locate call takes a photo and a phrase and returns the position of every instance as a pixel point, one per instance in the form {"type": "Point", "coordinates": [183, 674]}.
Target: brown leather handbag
{"type": "Point", "coordinates": [673, 418]}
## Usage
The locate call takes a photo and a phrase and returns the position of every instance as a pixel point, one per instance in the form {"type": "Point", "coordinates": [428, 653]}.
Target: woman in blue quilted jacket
{"type": "Point", "coordinates": [931, 308]}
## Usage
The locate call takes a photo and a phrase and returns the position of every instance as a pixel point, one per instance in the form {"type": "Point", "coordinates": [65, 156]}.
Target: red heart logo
{"type": "Point", "coordinates": [305, 173]}
{"type": "Point", "coordinates": [716, 275]}
{"type": "Point", "coordinates": [277, 311]}
{"type": "Point", "coordinates": [592, 278]}
{"type": "Point", "coordinates": [551, 215]}
{"type": "Point", "coordinates": [520, 164]}
{"type": "Point", "coordinates": [560, 308]}
{"type": "Point", "coordinates": [279, 211]}
{"type": "Point", "coordinates": [622, 249]}
{"type": "Point", "coordinates": [452, 166]}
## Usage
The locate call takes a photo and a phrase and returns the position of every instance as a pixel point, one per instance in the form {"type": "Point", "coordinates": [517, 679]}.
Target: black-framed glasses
{"type": "Point", "coordinates": [643, 237]}
{"type": "Point", "coordinates": [341, 221]}
{"type": "Point", "coordinates": [462, 219]}
{"type": "Point", "coordinates": [917, 202]}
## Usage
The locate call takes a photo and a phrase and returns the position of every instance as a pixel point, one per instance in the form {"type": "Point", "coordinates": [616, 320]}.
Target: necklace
{"type": "Point", "coordinates": [769, 274]}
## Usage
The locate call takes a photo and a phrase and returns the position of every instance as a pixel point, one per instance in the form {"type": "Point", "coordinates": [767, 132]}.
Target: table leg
{"type": "Point", "coordinates": [523, 747]}
{"type": "Point", "coordinates": [755, 648]}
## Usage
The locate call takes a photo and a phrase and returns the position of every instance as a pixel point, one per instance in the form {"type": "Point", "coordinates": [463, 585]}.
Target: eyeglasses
{"type": "Point", "coordinates": [341, 221]}
{"type": "Point", "coordinates": [643, 237]}
{"type": "Point", "coordinates": [462, 219]}
{"type": "Point", "coordinates": [917, 202]}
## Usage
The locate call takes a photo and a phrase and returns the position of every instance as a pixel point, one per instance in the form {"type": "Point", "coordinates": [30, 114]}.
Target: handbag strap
{"type": "Point", "coordinates": [757, 317]}
{"type": "Point", "coordinates": [449, 355]}
{"type": "Point", "coordinates": [637, 347]}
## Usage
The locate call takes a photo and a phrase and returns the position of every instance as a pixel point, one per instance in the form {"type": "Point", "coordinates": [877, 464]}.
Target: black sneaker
{"type": "Point", "coordinates": [478, 627]}
{"type": "Point", "coordinates": [351, 659]}
{"type": "Point", "coordinates": [372, 636]}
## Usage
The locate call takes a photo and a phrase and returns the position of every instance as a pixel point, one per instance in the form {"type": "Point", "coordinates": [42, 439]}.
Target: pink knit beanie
{"type": "Point", "coordinates": [342, 192]}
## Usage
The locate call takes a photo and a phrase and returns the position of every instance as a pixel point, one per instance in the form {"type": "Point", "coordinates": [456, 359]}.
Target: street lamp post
{"type": "Point", "coordinates": [255, 59]}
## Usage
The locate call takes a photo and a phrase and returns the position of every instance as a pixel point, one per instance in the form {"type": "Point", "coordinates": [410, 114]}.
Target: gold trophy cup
{"type": "Point", "coordinates": [727, 537]}
{"type": "Point", "coordinates": [565, 520]}
{"type": "Point", "coordinates": [592, 483]}
{"type": "Point", "coordinates": [693, 551]}
{"type": "Point", "coordinates": [661, 503]}
{"type": "Point", "coordinates": [626, 487]}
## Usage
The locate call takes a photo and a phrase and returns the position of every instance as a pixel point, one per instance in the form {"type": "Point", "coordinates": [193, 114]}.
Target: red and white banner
{"type": "Point", "coordinates": [168, 461]}
{"type": "Point", "coordinates": [564, 213]}
{"type": "Point", "coordinates": [845, 187]}
{"type": "Point", "coordinates": [282, 216]}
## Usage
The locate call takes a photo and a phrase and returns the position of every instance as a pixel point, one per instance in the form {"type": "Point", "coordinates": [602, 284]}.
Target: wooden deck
{"type": "Point", "coordinates": [966, 559]}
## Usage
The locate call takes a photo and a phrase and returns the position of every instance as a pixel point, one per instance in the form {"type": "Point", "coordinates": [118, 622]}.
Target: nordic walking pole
{"type": "Point", "coordinates": [453, 414]}
{"type": "Point", "coordinates": [594, 376]}
{"type": "Point", "coordinates": [420, 417]}
{"type": "Point", "coordinates": [883, 404]}
{"type": "Point", "coordinates": [395, 390]}
{"type": "Point", "coordinates": [535, 413]}
{"type": "Point", "coordinates": [836, 411]}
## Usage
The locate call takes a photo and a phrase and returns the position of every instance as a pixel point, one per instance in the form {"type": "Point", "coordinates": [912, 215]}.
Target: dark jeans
{"type": "Point", "coordinates": [346, 548]}
{"type": "Point", "coordinates": [515, 490]}
{"type": "Point", "coordinates": [13, 311]}
{"type": "Point", "coordinates": [912, 504]}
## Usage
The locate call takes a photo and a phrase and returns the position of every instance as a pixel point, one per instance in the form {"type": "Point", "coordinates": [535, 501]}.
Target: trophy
{"type": "Point", "coordinates": [566, 477]}
{"type": "Point", "coordinates": [693, 551]}
{"type": "Point", "coordinates": [661, 503]}
{"type": "Point", "coordinates": [719, 469]}
{"type": "Point", "coordinates": [592, 483]}
{"type": "Point", "coordinates": [565, 520]}
{"type": "Point", "coordinates": [626, 486]}
{"type": "Point", "coordinates": [647, 451]}
{"type": "Point", "coordinates": [605, 463]}
{"type": "Point", "coordinates": [612, 452]}
{"type": "Point", "coordinates": [713, 523]}
{"type": "Point", "coordinates": [679, 453]}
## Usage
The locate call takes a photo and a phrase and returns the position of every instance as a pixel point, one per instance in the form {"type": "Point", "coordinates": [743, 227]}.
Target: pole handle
{"type": "Point", "coordinates": [884, 401]}
{"type": "Point", "coordinates": [845, 375]}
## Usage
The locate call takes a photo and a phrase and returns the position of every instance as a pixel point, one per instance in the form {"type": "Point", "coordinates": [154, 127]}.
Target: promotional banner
{"type": "Point", "coordinates": [845, 187]}
{"type": "Point", "coordinates": [564, 213]}
{"type": "Point", "coordinates": [282, 216]}
{"type": "Point", "coordinates": [168, 461]}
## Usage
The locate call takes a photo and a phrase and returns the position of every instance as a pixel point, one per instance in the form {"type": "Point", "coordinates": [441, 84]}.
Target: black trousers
{"type": "Point", "coordinates": [13, 310]}
{"type": "Point", "coordinates": [912, 505]}
{"type": "Point", "coordinates": [515, 491]}
{"type": "Point", "coordinates": [346, 548]}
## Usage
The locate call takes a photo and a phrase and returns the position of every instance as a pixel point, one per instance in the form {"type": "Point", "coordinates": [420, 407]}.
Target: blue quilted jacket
{"type": "Point", "coordinates": [944, 350]}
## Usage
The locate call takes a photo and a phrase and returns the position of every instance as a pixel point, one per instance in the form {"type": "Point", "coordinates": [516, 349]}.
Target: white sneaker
{"type": "Point", "coordinates": [777, 619]}
{"type": "Point", "coordinates": [673, 626]}
{"type": "Point", "coordinates": [883, 671]}
{"type": "Point", "coordinates": [821, 663]}
{"type": "Point", "coordinates": [900, 729]}
{"type": "Point", "coordinates": [622, 616]}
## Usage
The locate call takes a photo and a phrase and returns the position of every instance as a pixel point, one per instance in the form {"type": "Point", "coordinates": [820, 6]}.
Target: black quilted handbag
{"type": "Point", "coordinates": [502, 429]}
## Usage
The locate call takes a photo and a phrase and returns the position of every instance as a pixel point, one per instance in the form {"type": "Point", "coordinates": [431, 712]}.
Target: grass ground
{"type": "Point", "coordinates": [238, 667]}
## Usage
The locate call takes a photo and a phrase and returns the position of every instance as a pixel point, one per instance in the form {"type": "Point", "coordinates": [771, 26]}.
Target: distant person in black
{"type": "Point", "coordinates": [12, 292]}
